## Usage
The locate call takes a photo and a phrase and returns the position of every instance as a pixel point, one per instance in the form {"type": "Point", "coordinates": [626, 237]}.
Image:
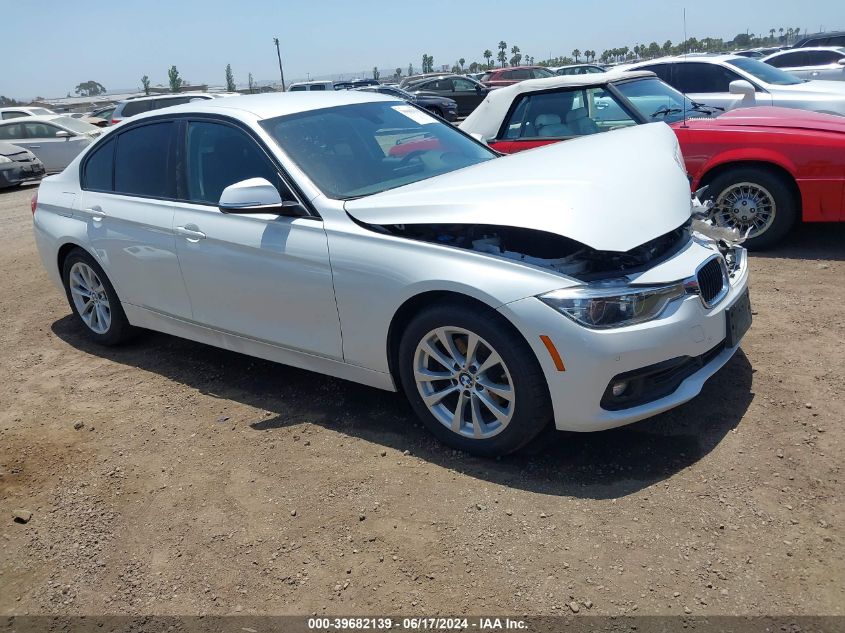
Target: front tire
{"type": "Point", "coordinates": [757, 199]}
{"type": "Point", "coordinates": [93, 299]}
{"type": "Point", "coordinates": [472, 380]}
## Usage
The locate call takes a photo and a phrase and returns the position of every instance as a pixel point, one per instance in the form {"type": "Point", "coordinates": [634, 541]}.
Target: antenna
{"type": "Point", "coordinates": [686, 52]}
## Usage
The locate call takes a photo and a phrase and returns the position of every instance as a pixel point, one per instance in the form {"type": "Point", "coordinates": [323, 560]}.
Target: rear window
{"type": "Point", "coordinates": [297, 88]}
{"type": "Point", "coordinates": [318, 86]}
{"type": "Point", "coordinates": [99, 167]}
{"type": "Point", "coordinates": [131, 108]}
{"type": "Point", "coordinates": [169, 101]}
{"type": "Point", "coordinates": [142, 161]}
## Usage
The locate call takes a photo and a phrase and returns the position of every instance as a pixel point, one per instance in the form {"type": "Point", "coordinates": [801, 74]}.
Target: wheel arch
{"type": "Point", "coordinates": [780, 171]}
{"type": "Point", "coordinates": [67, 248]}
{"type": "Point", "coordinates": [419, 302]}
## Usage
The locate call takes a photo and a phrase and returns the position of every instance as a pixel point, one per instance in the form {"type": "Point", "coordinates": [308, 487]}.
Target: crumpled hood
{"type": "Point", "coordinates": [612, 191]}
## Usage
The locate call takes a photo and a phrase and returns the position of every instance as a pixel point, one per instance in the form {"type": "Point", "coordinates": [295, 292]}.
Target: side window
{"type": "Point", "coordinates": [99, 168]}
{"type": "Point", "coordinates": [142, 162]}
{"type": "Point", "coordinates": [11, 131]}
{"type": "Point", "coordinates": [36, 129]}
{"type": "Point", "coordinates": [706, 78]}
{"type": "Point", "coordinates": [220, 155]}
{"type": "Point", "coordinates": [438, 85]}
{"type": "Point", "coordinates": [136, 107]}
{"type": "Point", "coordinates": [462, 85]}
{"type": "Point", "coordinates": [519, 75]}
{"type": "Point", "coordinates": [318, 86]}
{"type": "Point", "coordinates": [170, 101]}
{"type": "Point", "coordinates": [14, 114]}
{"type": "Point", "coordinates": [663, 71]}
{"type": "Point", "coordinates": [790, 60]}
{"type": "Point", "coordinates": [822, 58]}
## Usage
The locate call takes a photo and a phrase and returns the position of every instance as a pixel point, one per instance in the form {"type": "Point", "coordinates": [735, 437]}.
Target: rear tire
{"type": "Point", "coordinates": [93, 300]}
{"type": "Point", "coordinates": [745, 195]}
{"type": "Point", "coordinates": [496, 398]}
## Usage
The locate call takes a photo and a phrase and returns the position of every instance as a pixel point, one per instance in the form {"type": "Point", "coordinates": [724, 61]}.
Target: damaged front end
{"type": "Point", "coordinates": [546, 250]}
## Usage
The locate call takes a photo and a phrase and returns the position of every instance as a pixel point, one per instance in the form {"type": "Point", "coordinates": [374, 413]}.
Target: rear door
{"type": "Point", "coordinates": [264, 276]}
{"type": "Point", "coordinates": [825, 65]}
{"type": "Point", "coordinates": [128, 187]}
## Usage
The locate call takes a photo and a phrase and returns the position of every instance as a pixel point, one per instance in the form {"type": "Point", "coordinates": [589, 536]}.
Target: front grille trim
{"type": "Point", "coordinates": [712, 281]}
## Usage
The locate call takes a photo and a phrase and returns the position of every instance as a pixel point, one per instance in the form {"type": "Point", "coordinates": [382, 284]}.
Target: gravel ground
{"type": "Point", "coordinates": [167, 477]}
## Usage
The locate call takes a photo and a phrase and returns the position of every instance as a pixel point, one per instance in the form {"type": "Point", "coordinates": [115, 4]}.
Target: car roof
{"type": "Point", "coordinates": [487, 118]}
{"type": "Point", "coordinates": [269, 105]}
{"type": "Point", "coordinates": [172, 95]}
{"type": "Point", "coordinates": [838, 49]}
{"type": "Point", "coordinates": [691, 57]}
{"type": "Point", "coordinates": [35, 118]}
{"type": "Point", "coordinates": [525, 66]}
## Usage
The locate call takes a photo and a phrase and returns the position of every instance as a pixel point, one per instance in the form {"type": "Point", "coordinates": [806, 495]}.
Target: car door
{"type": "Point", "coordinates": [825, 65]}
{"type": "Point", "coordinates": [127, 202]}
{"type": "Point", "coordinates": [795, 62]}
{"type": "Point", "coordinates": [467, 94]}
{"type": "Point", "coordinates": [263, 276]}
{"type": "Point", "coordinates": [56, 152]}
{"type": "Point", "coordinates": [710, 84]}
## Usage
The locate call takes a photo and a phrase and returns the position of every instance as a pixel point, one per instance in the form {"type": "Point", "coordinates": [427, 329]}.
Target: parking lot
{"type": "Point", "coordinates": [168, 477]}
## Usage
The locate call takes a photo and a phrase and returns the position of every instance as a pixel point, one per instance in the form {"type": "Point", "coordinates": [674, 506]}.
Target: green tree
{"type": "Point", "coordinates": [230, 79]}
{"type": "Point", "coordinates": [90, 89]}
{"type": "Point", "coordinates": [667, 47]}
{"type": "Point", "coordinates": [410, 69]}
{"type": "Point", "coordinates": [575, 54]}
{"type": "Point", "coordinates": [376, 73]}
{"type": "Point", "coordinates": [488, 55]}
{"type": "Point", "coordinates": [517, 55]}
{"type": "Point", "coordinates": [473, 67]}
{"type": "Point", "coordinates": [397, 74]}
{"type": "Point", "coordinates": [503, 55]}
{"type": "Point", "coordinates": [462, 61]}
{"type": "Point", "coordinates": [251, 84]}
{"type": "Point", "coordinates": [8, 101]}
{"type": "Point", "coordinates": [174, 79]}
{"type": "Point", "coordinates": [145, 84]}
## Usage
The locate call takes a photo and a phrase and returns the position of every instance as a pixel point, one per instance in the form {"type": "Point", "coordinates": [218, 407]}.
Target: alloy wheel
{"type": "Point", "coordinates": [90, 298]}
{"type": "Point", "coordinates": [464, 382]}
{"type": "Point", "coordinates": [746, 206]}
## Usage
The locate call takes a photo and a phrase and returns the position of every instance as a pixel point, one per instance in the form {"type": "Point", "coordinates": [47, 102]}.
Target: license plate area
{"type": "Point", "coordinates": [738, 320]}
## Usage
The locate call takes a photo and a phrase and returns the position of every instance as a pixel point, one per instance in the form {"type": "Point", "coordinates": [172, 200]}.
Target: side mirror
{"type": "Point", "coordinates": [741, 87]}
{"type": "Point", "coordinates": [257, 195]}
{"type": "Point", "coordinates": [479, 137]}
{"type": "Point", "coordinates": [478, 88]}
{"type": "Point", "coordinates": [841, 61]}
{"type": "Point", "coordinates": [63, 134]}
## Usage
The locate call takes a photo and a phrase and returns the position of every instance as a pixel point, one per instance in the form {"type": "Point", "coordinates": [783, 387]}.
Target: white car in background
{"type": "Point", "coordinates": [819, 62]}
{"type": "Point", "coordinates": [356, 235]}
{"type": "Point", "coordinates": [732, 81]}
{"type": "Point", "coordinates": [55, 139]}
{"type": "Point", "coordinates": [19, 111]}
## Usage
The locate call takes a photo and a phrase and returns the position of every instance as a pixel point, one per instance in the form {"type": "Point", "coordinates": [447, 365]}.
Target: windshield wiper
{"type": "Point", "coordinates": [705, 108]}
{"type": "Point", "coordinates": [665, 111]}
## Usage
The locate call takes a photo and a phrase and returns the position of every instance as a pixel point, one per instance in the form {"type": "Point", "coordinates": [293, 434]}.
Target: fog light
{"type": "Point", "coordinates": [619, 388]}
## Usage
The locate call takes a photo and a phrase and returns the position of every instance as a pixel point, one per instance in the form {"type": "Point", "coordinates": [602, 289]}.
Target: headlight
{"type": "Point", "coordinates": [5, 159]}
{"type": "Point", "coordinates": [613, 304]}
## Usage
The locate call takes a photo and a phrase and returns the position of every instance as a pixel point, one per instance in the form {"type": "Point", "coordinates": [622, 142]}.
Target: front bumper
{"type": "Point", "coordinates": [15, 173]}
{"type": "Point", "coordinates": [593, 358]}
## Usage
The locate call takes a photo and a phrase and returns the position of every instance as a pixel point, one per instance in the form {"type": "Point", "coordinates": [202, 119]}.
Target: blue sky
{"type": "Point", "coordinates": [51, 46]}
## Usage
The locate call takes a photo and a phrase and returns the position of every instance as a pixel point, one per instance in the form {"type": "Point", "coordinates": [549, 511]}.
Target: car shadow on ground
{"type": "Point", "coordinates": [587, 465]}
{"type": "Point", "coordinates": [812, 241]}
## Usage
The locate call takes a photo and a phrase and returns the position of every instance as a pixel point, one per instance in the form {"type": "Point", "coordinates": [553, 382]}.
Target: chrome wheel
{"type": "Point", "coordinates": [747, 207]}
{"type": "Point", "coordinates": [464, 382]}
{"type": "Point", "coordinates": [90, 298]}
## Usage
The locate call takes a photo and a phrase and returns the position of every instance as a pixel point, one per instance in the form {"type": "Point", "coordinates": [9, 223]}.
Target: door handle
{"type": "Point", "coordinates": [97, 214]}
{"type": "Point", "coordinates": [34, 146]}
{"type": "Point", "coordinates": [190, 232]}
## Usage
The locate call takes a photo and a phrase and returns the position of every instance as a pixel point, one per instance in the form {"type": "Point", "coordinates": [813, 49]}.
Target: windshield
{"type": "Point", "coordinates": [657, 101]}
{"type": "Point", "coordinates": [364, 148]}
{"type": "Point", "coordinates": [40, 111]}
{"type": "Point", "coordinates": [75, 125]}
{"type": "Point", "coordinates": [764, 72]}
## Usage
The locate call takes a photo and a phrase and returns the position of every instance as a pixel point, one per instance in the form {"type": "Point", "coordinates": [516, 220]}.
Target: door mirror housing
{"type": "Point", "coordinates": [841, 61]}
{"type": "Point", "coordinates": [741, 87]}
{"type": "Point", "coordinates": [257, 195]}
{"type": "Point", "coordinates": [63, 134]}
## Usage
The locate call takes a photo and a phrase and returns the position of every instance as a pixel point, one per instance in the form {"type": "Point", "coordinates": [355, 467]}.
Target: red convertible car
{"type": "Point", "coordinates": [764, 168]}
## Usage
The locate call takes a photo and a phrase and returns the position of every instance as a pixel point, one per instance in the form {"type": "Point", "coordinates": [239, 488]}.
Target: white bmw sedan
{"type": "Point", "coordinates": [355, 235]}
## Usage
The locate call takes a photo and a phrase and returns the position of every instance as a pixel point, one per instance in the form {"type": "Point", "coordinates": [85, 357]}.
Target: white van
{"type": "Point", "coordinates": [311, 85]}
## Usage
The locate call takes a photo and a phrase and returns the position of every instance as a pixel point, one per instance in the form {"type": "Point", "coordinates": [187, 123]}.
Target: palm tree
{"type": "Point", "coordinates": [772, 34]}
{"type": "Point", "coordinates": [517, 56]}
{"type": "Point", "coordinates": [503, 56]}
{"type": "Point", "coordinates": [575, 54]}
{"type": "Point", "coordinates": [462, 61]}
{"type": "Point", "coordinates": [780, 30]}
{"type": "Point", "coordinates": [488, 55]}
{"type": "Point", "coordinates": [795, 34]}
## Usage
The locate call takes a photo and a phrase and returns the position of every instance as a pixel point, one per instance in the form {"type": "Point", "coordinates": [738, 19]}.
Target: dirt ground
{"type": "Point", "coordinates": [202, 481]}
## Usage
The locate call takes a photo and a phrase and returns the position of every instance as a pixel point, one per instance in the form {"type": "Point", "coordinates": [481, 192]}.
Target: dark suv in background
{"type": "Point", "coordinates": [833, 38]}
{"type": "Point", "coordinates": [466, 92]}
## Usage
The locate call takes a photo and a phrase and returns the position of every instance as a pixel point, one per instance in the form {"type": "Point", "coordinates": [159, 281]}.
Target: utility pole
{"type": "Point", "coordinates": [279, 55]}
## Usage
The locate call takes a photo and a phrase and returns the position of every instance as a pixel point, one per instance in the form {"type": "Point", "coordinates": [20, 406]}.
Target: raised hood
{"type": "Point", "coordinates": [612, 191]}
{"type": "Point", "coordinates": [773, 118]}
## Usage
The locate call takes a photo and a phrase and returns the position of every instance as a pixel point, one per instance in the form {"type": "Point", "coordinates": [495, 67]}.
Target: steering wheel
{"type": "Point", "coordinates": [410, 156]}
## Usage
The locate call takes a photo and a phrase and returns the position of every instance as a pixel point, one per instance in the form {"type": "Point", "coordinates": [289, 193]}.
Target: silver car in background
{"type": "Point", "coordinates": [819, 62]}
{"type": "Point", "coordinates": [56, 140]}
{"type": "Point", "coordinates": [732, 81]}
